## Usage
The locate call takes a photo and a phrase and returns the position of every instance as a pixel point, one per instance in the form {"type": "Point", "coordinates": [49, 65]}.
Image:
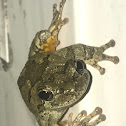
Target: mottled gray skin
{"type": "Point", "coordinates": [58, 74]}
{"type": "Point", "coordinates": [63, 73]}
{"type": "Point", "coordinates": [53, 81]}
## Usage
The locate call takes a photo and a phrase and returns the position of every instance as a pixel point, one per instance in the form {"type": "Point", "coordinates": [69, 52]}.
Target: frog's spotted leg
{"type": "Point", "coordinates": [99, 56]}
{"type": "Point", "coordinates": [57, 21]}
{"type": "Point", "coordinates": [83, 119]}
{"type": "Point", "coordinates": [47, 40]}
{"type": "Point", "coordinates": [89, 54]}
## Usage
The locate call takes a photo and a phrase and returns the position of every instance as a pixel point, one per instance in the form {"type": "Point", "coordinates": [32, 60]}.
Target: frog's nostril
{"type": "Point", "coordinates": [45, 95]}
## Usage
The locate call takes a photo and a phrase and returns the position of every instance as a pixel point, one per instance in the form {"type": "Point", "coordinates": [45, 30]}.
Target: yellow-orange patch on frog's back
{"type": "Point", "coordinates": [49, 45]}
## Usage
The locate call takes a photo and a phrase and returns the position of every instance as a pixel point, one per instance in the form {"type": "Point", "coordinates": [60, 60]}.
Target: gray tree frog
{"type": "Point", "coordinates": [53, 81]}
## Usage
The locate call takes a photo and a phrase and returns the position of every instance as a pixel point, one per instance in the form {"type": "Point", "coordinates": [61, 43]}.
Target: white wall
{"type": "Point", "coordinates": [92, 22]}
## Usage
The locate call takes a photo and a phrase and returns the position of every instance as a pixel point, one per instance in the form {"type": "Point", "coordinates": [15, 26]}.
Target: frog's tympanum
{"type": "Point", "coordinates": [53, 81]}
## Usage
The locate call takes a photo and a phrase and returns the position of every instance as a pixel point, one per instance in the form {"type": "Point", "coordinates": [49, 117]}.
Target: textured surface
{"type": "Point", "coordinates": [104, 20]}
{"type": "Point", "coordinates": [54, 80]}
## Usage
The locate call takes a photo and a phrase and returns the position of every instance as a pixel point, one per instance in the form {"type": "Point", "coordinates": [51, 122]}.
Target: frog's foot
{"type": "Point", "coordinates": [99, 56]}
{"type": "Point", "coordinates": [83, 119]}
{"type": "Point", "coordinates": [57, 21]}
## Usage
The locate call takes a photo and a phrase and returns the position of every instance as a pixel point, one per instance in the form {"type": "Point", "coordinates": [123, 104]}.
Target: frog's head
{"type": "Point", "coordinates": [53, 82]}
{"type": "Point", "coordinates": [63, 82]}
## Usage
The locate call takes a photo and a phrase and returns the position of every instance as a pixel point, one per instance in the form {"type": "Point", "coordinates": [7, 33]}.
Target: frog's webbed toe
{"type": "Point", "coordinates": [83, 119]}
{"type": "Point", "coordinates": [113, 59]}
{"type": "Point", "coordinates": [57, 21]}
{"type": "Point", "coordinates": [99, 56]}
{"type": "Point", "coordinates": [89, 119]}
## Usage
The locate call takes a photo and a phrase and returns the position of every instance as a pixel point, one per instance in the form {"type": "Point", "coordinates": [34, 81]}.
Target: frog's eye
{"type": "Point", "coordinates": [80, 66]}
{"type": "Point", "coordinates": [45, 95]}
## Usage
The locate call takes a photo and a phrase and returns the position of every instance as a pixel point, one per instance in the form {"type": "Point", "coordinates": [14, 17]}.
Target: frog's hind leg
{"type": "Point", "coordinates": [57, 21]}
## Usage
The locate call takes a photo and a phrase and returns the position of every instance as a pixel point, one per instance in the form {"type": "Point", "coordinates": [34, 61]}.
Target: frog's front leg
{"type": "Point", "coordinates": [57, 21]}
{"type": "Point", "coordinates": [98, 56]}
{"type": "Point", "coordinates": [83, 119]}
{"type": "Point", "coordinates": [89, 54]}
